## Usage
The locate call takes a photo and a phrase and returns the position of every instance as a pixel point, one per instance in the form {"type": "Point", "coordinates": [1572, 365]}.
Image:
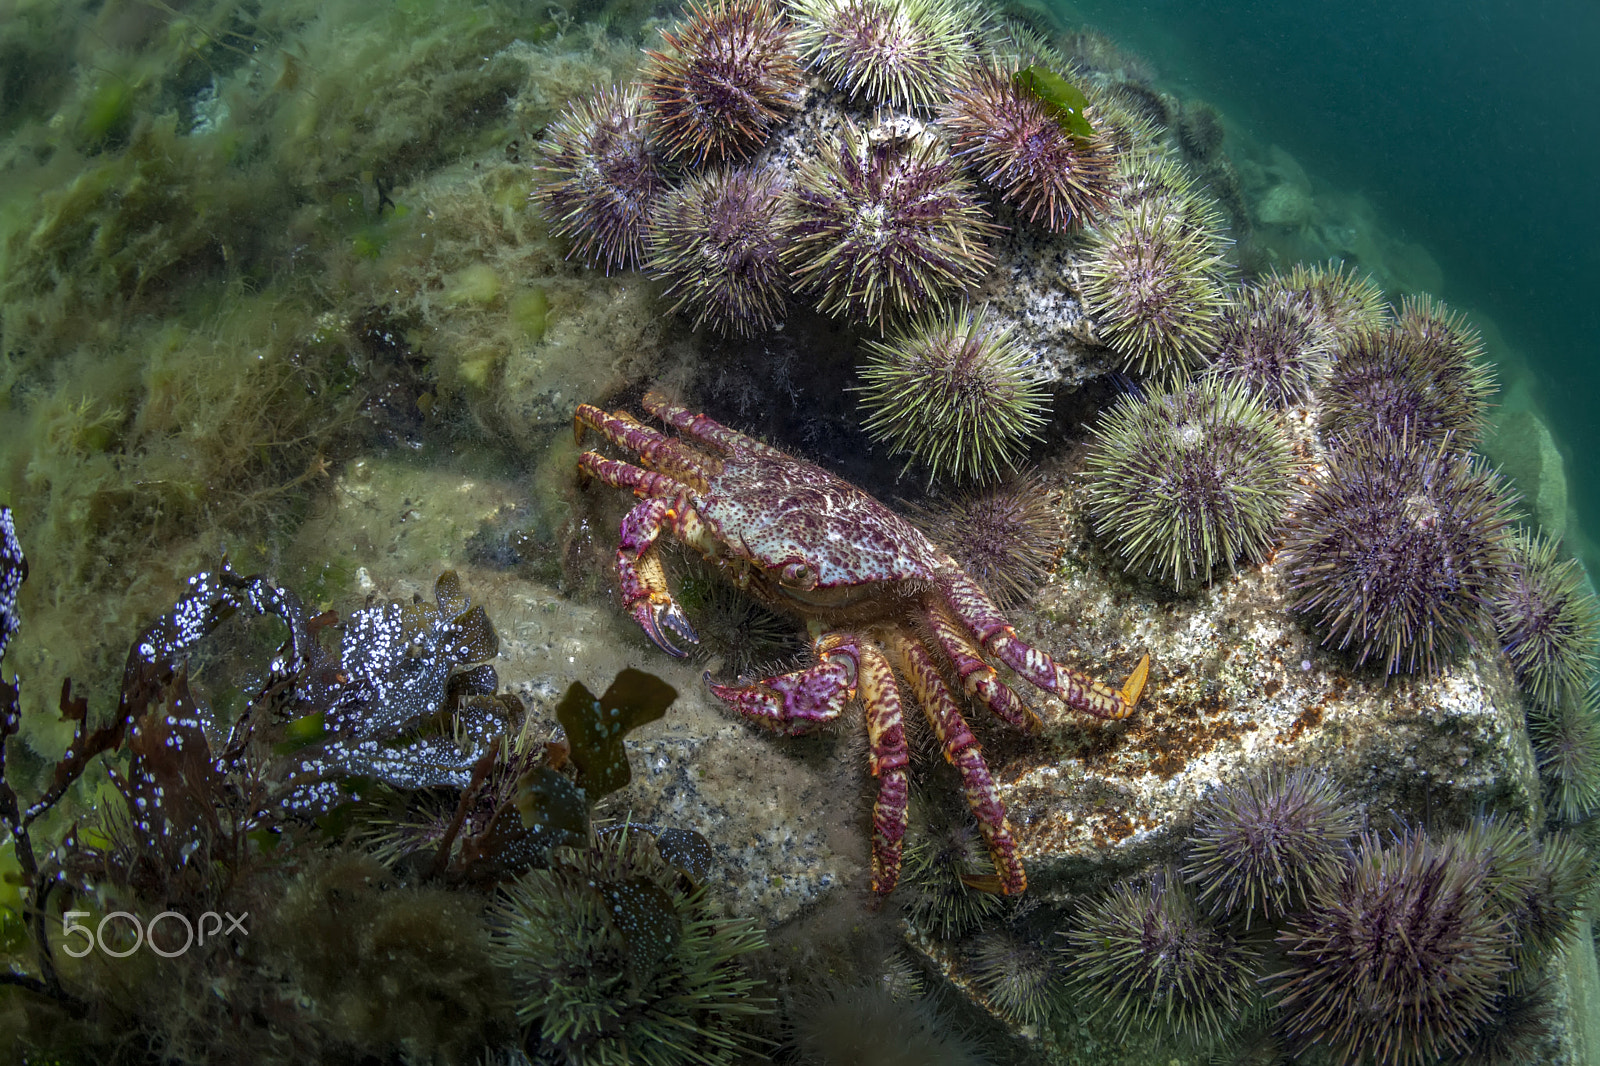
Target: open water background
{"type": "Point", "coordinates": [1472, 125]}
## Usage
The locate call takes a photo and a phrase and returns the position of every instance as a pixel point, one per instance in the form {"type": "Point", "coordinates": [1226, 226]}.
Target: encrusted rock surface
{"type": "Point", "coordinates": [1237, 685]}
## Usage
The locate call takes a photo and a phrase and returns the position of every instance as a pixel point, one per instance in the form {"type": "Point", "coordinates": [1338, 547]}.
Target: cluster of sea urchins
{"type": "Point", "coordinates": [873, 220]}
{"type": "Point", "coordinates": [1398, 549]}
{"type": "Point", "coordinates": [1394, 949]}
{"type": "Point", "coordinates": [876, 211]}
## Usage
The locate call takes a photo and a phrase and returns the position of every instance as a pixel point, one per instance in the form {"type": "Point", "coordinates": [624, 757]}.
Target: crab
{"type": "Point", "coordinates": [876, 595]}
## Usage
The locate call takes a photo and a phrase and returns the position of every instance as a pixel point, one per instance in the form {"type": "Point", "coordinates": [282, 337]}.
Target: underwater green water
{"type": "Point", "coordinates": [1471, 126]}
{"type": "Point", "coordinates": [273, 287]}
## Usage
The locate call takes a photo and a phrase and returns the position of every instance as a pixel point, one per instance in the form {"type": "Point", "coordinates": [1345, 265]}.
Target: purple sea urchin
{"type": "Point", "coordinates": [1546, 620]}
{"type": "Point", "coordinates": [1145, 954]}
{"type": "Point", "coordinates": [1185, 480]}
{"type": "Point", "coordinates": [898, 52]}
{"type": "Point", "coordinates": [883, 227]}
{"type": "Point", "coordinates": [1399, 960]}
{"type": "Point", "coordinates": [1273, 346]}
{"type": "Point", "coordinates": [728, 74]}
{"type": "Point", "coordinates": [1018, 147]}
{"type": "Point", "coordinates": [1263, 845]}
{"type": "Point", "coordinates": [716, 243]}
{"type": "Point", "coordinates": [1397, 550]}
{"type": "Point", "coordinates": [954, 394]}
{"type": "Point", "coordinates": [1404, 382]}
{"type": "Point", "coordinates": [1153, 282]}
{"type": "Point", "coordinates": [1004, 536]}
{"type": "Point", "coordinates": [602, 178]}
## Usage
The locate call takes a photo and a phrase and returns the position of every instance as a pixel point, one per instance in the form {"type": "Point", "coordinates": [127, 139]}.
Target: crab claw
{"type": "Point", "coordinates": [1133, 688]}
{"type": "Point", "coordinates": [659, 617]}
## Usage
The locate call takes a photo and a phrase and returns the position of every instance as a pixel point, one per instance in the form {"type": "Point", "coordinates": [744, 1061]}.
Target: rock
{"type": "Point", "coordinates": [1237, 686]}
{"type": "Point", "coordinates": [1286, 205]}
{"type": "Point", "coordinates": [1524, 449]}
{"type": "Point", "coordinates": [1582, 988]}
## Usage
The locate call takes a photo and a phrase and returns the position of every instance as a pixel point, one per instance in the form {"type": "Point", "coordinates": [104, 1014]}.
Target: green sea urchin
{"type": "Point", "coordinates": [1448, 336]}
{"type": "Point", "coordinates": [1052, 177]}
{"type": "Point", "coordinates": [954, 394]}
{"type": "Point", "coordinates": [1560, 891]}
{"type": "Point", "coordinates": [1185, 480]}
{"type": "Point", "coordinates": [1262, 846]}
{"type": "Point", "coordinates": [884, 227]}
{"type": "Point", "coordinates": [864, 1025]}
{"type": "Point", "coordinates": [1004, 536]}
{"type": "Point", "coordinates": [1566, 738]}
{"type": "Point", "coordinates": [941, 853]}
{"type": "Point", "coordinates": [716, 244]}
{"type": "Point", "coordinates": [728, 75]}
{"type": "Point", "coordinates": [897, 52]}
{"type": "Point", "coordinates": [1539, 884]}
{"type": "Point", "coordinates": [601, 178]}
{"type": "Point", "coordinates": [1343, 303]}
{"type": "Point", "coordinates": [1018, 974]}
{"type": "Point", "coordinates": [1144, 953]}
{"type": "Point", "coordinates": [1153, 282]}
{"type": "Point", "coordinates": [1523, 1021]}
{"type": "Point", "coordinates": [615, 959]}
{"type": "Point", "coordinates": [1399, 960]}
{"type": "Point", "coordinates": [1273, 346]}
{"type": "Point", "coordinates": [1546, 620]}
{"type": "Point", "coordinates": [1397, 550]}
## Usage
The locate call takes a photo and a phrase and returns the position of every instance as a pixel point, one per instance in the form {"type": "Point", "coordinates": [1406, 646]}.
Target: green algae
{"type": "Point", "coordinates": [1064, 100]}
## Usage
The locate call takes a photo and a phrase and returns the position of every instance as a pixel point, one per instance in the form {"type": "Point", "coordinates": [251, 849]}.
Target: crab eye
{"type": "Point", "coordinates": [798, 575]}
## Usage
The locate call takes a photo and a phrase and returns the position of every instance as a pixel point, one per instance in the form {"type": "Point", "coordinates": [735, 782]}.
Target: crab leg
{"type": "Point", "coordinates": [978, 677]}
{"type": "Point", "coordinates": [886, 738]}
{"type": "Point", "coordinates": [699, 427]}
{"type": "Point", "coordinates": [657, 451]}
{"type": "Point", "coordinates": [642, 581]}
{"type": "Point", "coordinates": [1076, 689]}
{"type": "Point", "coordinates": [800, 701]}
{"type": "Point", "coordinates": [962, 751]}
